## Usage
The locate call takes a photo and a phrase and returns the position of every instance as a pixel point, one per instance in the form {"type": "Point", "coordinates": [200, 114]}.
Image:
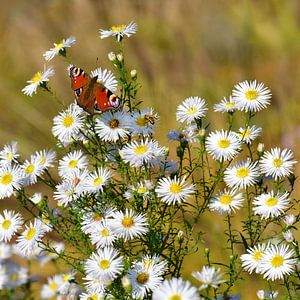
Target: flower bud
{"type": "Point", "coordinates": [126, 282]}
{"type": "Point", "coordinates": [202, 132]}
{"type": "Point", "coordinates": [111, 56]}
{"type": "Point", "coordinates": [120, 57]}
{"type": "Point", "coordinates": [260, 148]}
{"type": "Point", "coordinates": [289, 220]}
{"type": "Point", "coordinates": [288, 236]}
{"type": "Point", "coordinates": [180, 234]}
{"type": "Point", "coordinates": [133, 74]}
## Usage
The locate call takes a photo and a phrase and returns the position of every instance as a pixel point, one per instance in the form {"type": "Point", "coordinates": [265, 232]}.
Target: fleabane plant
{"type": "Point", "coordinates": [124, 217]}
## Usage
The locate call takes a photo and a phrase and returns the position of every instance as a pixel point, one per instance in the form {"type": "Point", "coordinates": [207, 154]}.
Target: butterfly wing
{"type": "Point", "coordinates": [106, 99]}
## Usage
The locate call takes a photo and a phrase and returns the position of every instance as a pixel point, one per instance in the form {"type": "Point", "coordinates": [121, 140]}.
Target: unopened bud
{"type": "Point", "coordinates": [133, 74]}
{"type": "Point", "coordinates": [111, 56]}
{"type": "Point", "coordinates": [288, 236]}
{"type": "Point", "coordinates": [206, 251]}
{"type": "Point", "coordinates": [260, 148]}
{"type": "Point", "coordinates": [180, 234]}
{"type": "Point", "coordinates": [126, 282]}
{"type": "Point", "coordinates": [120, 57]}
{"type": "Point", "coordinates": [202, 132]}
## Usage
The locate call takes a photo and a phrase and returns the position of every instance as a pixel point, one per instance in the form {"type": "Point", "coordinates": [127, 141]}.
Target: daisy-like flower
{"type": "Point", "coordinates": [176, 288]}
{"type": "Point", "coordinates": [249, 134]}
{"type": "Point", "coordinates": [191, 109]}
{"type": "Point", "coordinates": [289, 220]}
{"type": "Point", "coordinates": [11, 178]}
{"type": "Point", "coordinates": [172, 191]}
{"type": "Point", "coordinates": [106, 263]}
{"type": "Point", "coordinates": [242, 174]}
{"type": "Point", "coordinates": [65, 285]}
{"type": "Point", "coordinates": [209, 276]}
{"type": "Point", "coordinates": [91, 296]}
{"type": "Point", "coordinates": [251, 261]}
{"type": "Point", "coordinates": [288, 236]}
{"type": "Point", "coordinates": [112, 126]}
{"type": "Point", "coordinates": [50, 289]}
{"type": "Point", "coordinates": [277, 163]}
{"type": "Point", "coordinates": [103, 235]}
{"type": "Point", "coordinates": [36, 198]}
{"type": "Point", "coordinates": [128, 225]}
{"type": "Point", "coordinates": [16, 275]}
{"type": "Point", "coordinates": [45, 158]}
{"type": "Point", "coordinates": [68, 124]}
{"type": "Point", "coordinates": [119, 31]}
{"type": "Point", "coordinates": [32, 170]}
{"type": "Point", "coordinates": [270, 205]}
{"type": "Point", "coordinates": [8, 154]}
{"type": "Point", "coordinates": [59, 48]}
{"type": "Point", "coordinates": [226, 202]}
{"type": "Point", "coordinates": [96, 285]}
{"type": "Point", "coordinates": [71, 162]}
{"type": "Point", "coordinates": [10, 223]}
{"type": "Point", "coordinates": [96, 180]}
{"type": "Point", "coordinates": [222, 145]}
{"type": "Point", "coordinates": [277, 262]}
{"type": "Point", "coordinates": [136, 154]}
{"type": "Point", "coordinates": [225, 106]}
{"type": "Point", "coordinates": [39, 79]}
{"type": "Point", "coordinates": [106, 78]}
{"type": "Point", "coordinates": [251, 96]}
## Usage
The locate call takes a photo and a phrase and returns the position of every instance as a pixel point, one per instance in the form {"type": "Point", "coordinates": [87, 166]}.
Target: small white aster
{"type": "Point", "coordinates": [119, 31]}
{"type": "Point", "coordinates": [50, 289]}
{"type": "Point", "coordinates": [271, 204]}
{"type": "Point", "coordinates": [32, 170]}
{"type": "Point", "coordinates": [172, 191]}
{"type": "Point", "coordinates": [17, 275]}
{"type": "Point", "coordinates": [97, 180]}
{"type": "Point", "coordinates": [106, 78]}
{"type": "Point", "coordinates": [251, 96]}
{"type": "Point", "coordinates": [9, 154]}
{"type": "Point", "coordinates": [289, 220]}
{"type": "Point", "coordinates": [226, 202]}
{"type": "Point", "coordinates": [249, 134]}
{"type": "Point", "coordinates": [191, 109]}
{"type": "Point", "coordinates": [59, 48]}
{"type": "Point", "coordinates": [222, 145]}
{"type": "Point", "coordinates": [242, 174]}
{"type": "Point", "coordinates": [10, 223]}
{"type": "Point", "coordinates": [96, 285]}
{"type": "Point", "coordinates": [277, 163]}
{"type": "Point", "coordinates": [45, 158]}
{"type": "Point", "coordinates": [11, 178]}
{"type": "Point", "coordinates": [66, 279]}
{"type": "Point", "coordinates": [37, 80]}
{"type": "Point", "coordinates": [288, 236]}
{"type": "Point", "coordinates": [225, 106]}
{"type": "Point", "coordinates": [91, 296]}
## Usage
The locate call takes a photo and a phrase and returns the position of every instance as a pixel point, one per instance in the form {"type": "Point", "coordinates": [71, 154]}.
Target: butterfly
{"type": "Point", "coordinates": [90, 94]}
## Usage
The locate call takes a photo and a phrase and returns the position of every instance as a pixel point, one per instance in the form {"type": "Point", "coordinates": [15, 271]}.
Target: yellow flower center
{"type": "Point", "coordinates": [175, 188]}
{"type": "Point", "coordinates": [127, 222]}
{"type": "Point", "coordinates": [37, 77]}
{"type": "Point", "coordinates": [272, 201]}
{"type": "Point", "coordinates": [53, 286]}
{"type": "Point", "coordinates": [140, 150]}
{"type": "Point", "coordinates": [97, 217]}
{"type": "Point", "coordinates": [251, 94]}
{"type": "Point", "coordinates": [6, 179]}
{"type": "Point", "coordinates": [104, 264]}
{"type": "Point", "coordinates": [141, 190]}
{"type": "Point", "coordinates": [94, 297]}
{"type": "Point", "coordinates": [59, 45]}
{"type": "Point", "coordinates": [66, 277]}
{"type": "Point", "coordinates": [105, 232]}
{"type": "Point", "coordinates": [97, 181]}
{"type": "Point", "coordinates": [258, 255]}
{"type": "Point", "coordinates": [118, 28]}
{"type": "Point", "coordinates": [9, 155]}
{"type": "Point", "coordinates": [226, 199]}
{"type": "Point", "coordinates": [140, 121]}
{"type": "Point", "coordinates": [14, 277]}
{"type": "Point", "coordinates": [277, 261]}
{"type": "Point", "coordinates": [142, 278]}
{"type": "Point", "coordinates": [42, 160]}
{"type": "Point", "coordinates": [242, 172]}
{"type": "Point", "coordinates": [175, 297]}
{"type": "Point", "coordinates": [245, 133]}
{"type": "Point", "coordinates": [114, 123]}
{"type": "Point", "coordinates": [6, 224]}
{"type": "Point", "coordinates": [68, 121]}
{"type": "Point", "coordinates": [224, 143]}
{"type": "Point", "coordinates": [29, 169]}
{"type": "Point", "coordinates": [277, 162]}
{"type": "Point", "coordinates": [229, 105]}
{"type": "Point", "coordinates": [73, 163]}
{"type": "Point", "coordinates": [191, 111]}
{"type": "Point", "coordinates": [30, 234]}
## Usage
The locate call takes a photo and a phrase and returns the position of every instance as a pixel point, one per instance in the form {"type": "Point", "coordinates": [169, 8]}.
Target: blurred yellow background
{"type": "Point", "coordinates": [183, 48]}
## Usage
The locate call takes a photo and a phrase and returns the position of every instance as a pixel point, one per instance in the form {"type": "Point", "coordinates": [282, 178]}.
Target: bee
{"type": "Point", "coordinates": [150, 118]}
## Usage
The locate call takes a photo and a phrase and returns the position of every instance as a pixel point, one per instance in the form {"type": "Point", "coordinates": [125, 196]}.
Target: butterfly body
{"type": "Point", "coordinates": [90, 94]}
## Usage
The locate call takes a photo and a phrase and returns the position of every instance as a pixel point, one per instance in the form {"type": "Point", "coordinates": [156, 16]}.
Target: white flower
{"type": "Point", "coordinates": [288, 236]}
{"type": "Point", "coordinates": [59, 48]}
{"type": "Point", "coordinates": [106, 78]}
{"type": "Point", "coordinates": [277, 163]}
{"type": "Point", "coordinates": [226, 201]}
{"type": "Point", "coordinates": [249, 134]}
{"type": "Point", "coordinates": [10, 223]}
{"type": "Point", "coordinates": [225, 105]}
{"type": "Point", "coordinates": [91, 296]}
{"type": "Point", "coordinates": [242, 174]}
{"type": "Point", "coordinates": [209, 276]}
{"type": "Point", "coordinates": [112, 126]}
{"type": "Point", "coordinates": [266, 295]}
{"type": "Point", "coordinates": [250, 96]}
{"type": "Point", "coordinates": [191, 109]}
{"type": "Point", "coordinates": [50, 289]}
{"type": "Point", "coordinates": [172, 191]}
{"type": "Point", "coordinates": [251, 261]}
{"type": "Point", "coordinates": [222, 145]}
{"type": "Point", "coordinates": [36, 198]}
{"type": "Point", "coordinates": [277, 262]}
{"type": "Point", "coordinates": [65, 285]}
{"type": "Point", "coordinates": [176, 288]}
{"type": "Point", "coordinates": [11, 178]}
{"type": "Point", "coordinates": [16, 275]}
{"type": "Point", "coordinates": [96, 285]}
{"type": "Point", "coordinates": [289, 220]}
{"type": "Point", "coordinates": [142, 122]}
{"type": "Point", "coordinates": [119, 31]}
{"type": "Point", "coordinates": [37, 80]}
{"type": "Point", "coordinates": [271, 205]}
{"type": "Point", "coordinates": [45, 158]}
{"type": "Point", "coordinates": [96, 180]}
{"type": "Point", "coordinates": [32, 170]}
{"type": "Point", "coordinates": [9, 154]}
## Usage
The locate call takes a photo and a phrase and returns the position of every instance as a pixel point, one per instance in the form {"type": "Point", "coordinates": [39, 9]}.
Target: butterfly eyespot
{"type": "Point", "coordinates": [78, 92]}
{"type": "Point", "coordinates": [76, 71]}
{"type": "Point", "coordinates": [114, 101]}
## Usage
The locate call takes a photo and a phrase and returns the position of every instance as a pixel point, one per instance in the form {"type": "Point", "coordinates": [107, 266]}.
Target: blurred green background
{"type": "Point", "coordinates": [182, 48]}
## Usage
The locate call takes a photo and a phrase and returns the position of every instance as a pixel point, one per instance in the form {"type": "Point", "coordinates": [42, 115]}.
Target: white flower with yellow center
{"type": "Point", "coordinates": [271, 204]}
{"type": "Point", "coordinates": [176, 289]}
{"type": "Point", "coordinates": [106, 78]}
{"type": "Point", "coordinates": [277, 262]}
{"type": "Point", "coordinates": [11, 178]}
{"type": "Point", "coordinates": [172, 191]}
{"type": "Point", "coordinates": [225, 106]}
{"type": "Point", "coordinates": [289, 220]}
{"type": "Point", "coordinates": [102, 235]}
{"type": "Point", "coordinates": [9, 154]}
{"type": "Point", "coordinates": [252, 259]}
{"type": "Point", "coordinates": [50, 289]}
{"type": "Point", "coordinates": [97, 180]}
{"type": "Point", "coordinates": [66, 279]}
{"type": "Point", "coordinates": [248, 134]}
{"type": "Point", "coordinates": [277, 163]}
{"type": "Point", "coordinates": [59, 48]}
{"type": "Point", "coordinates": [191, 109]}
{"type": "Point", "coordinates": [32, 170]}
{"type": "Point", "coordinates": [10, 223]}
{"type": "Point", "coordinates": [128, 225]}
{"type": "Point", "coordinates": [96, 285]}
{"type": "Point", "coordinates": [209, 277]}
{"type": "Point", "coordinates": [91, 296]}
{"type": "Point", "coordinates": [242, 174]}
{"type": "Point", "coordinates": [222, 145]}
{"type": "Point", "coordinates": [69, 124]}
{"type": "Point", "coordinates": [119, 31]}
{"type": "Point", "coordinates": [37, 80]}
{"type": "Point", "coordinates": [226, 202]}
{"type": "Point", "coordinates": [45, 158]}
{"type": "Point", "coordinates": [105, 264]}
{"type": "Point", "coordinates": [17, 275]}
{"type": "Point", "coordinates": [251, 96]}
